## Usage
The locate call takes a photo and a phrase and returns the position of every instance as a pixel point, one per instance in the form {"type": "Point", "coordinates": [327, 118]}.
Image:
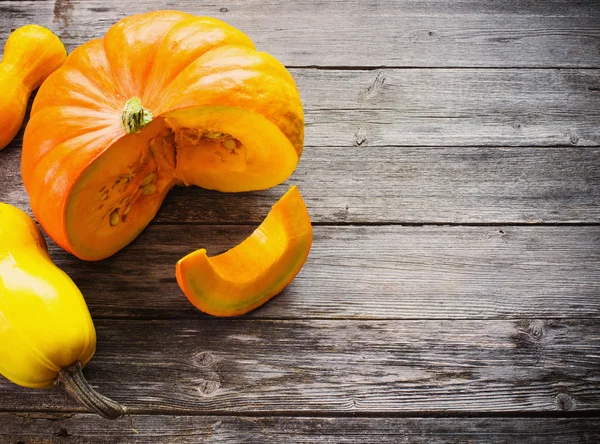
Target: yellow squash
{"type": "Point", "coordinates": [46, 332]}
{"type": "Point", "coordinates": [31, 54]}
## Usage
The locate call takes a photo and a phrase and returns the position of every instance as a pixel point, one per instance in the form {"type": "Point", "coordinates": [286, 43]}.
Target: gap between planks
{"type": "Point", "coordinates": [398, 224]}
{"type": "Point", "coordinates": [320, 414]}
{"type": "Point", "coordinates": [189, 429]}
{"type": "Point", "coordinates": [408, 67]}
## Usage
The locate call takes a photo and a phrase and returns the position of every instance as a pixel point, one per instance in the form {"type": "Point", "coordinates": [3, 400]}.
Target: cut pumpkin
{"type": "Point", "coordinates": [164, 99]}
{"type": "Point", "coordinates": [248, 275]}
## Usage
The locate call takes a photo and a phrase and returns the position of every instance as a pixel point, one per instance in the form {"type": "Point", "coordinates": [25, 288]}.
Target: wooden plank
{"type": "Point", "coordinates": [379, 272]}
{"type": "Point", "coordinates": [399, 185]}
{"type": "Point", "coordinates": [450, 107]}
{"type": "Point", "coordinates": [150, 429]}
{"type": "Point", "coordinates": [356, 33]}
{"type": "Point", "coordinates": [338, 366]}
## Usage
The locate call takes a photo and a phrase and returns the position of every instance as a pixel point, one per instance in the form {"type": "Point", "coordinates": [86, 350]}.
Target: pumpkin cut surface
{"type": "Point", "coordinates": [164, 99]}
{"type": "Point", "coordinates": [248, 275]}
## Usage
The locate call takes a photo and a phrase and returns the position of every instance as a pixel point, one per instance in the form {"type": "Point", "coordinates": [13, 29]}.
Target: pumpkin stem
{"type": "Point", "coordinates": [71, 380]}
{"type": "Point", "coordinates": [135, 116]}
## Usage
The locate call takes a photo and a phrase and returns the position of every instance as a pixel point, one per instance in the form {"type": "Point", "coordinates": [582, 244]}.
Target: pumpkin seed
{"type": "Point", "coordinates": [104, 195]}
{"type": "Point", "coordinates": [213, 134]}
{"type": "Point", "coordinates": [229, 144]}
{"type": "Point", "coordinates": [126, 210]}
{"type": "Point", "coordinates": [125, 199]}
{"type": "Point", "coordinates": [148, 189]}
{"type": "Point", "coordinates": [147, 179]}
{"type": "Point", "coordinates": [114, 218]}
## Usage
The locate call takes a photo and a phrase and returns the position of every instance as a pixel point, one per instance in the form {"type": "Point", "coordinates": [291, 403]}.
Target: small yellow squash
{"type": "Point", "coordinates": [31, 54]}
{"type": "Point", "coordinates": [46, 332]}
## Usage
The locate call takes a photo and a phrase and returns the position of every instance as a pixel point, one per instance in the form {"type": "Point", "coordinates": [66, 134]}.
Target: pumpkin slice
{"type": "Point", "coordinates": [248, 275]}
{"type": "Point", "coordinates": [164, 99]}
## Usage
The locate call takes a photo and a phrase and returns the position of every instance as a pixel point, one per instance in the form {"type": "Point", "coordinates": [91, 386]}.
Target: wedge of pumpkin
{"type": "Point", "coordinates": [164, 99]}
{"type": "Point", "coordinates": [248, 275]}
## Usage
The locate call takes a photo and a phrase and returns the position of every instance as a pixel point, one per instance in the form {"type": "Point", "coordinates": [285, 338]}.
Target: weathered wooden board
{"type": "Point", "coordinates": [429, 33]}
{"type": "Point", "coordinates": [378, 272]}
{"type": "Point", "coordinates": [449, 107]}
{"type": "Point", "coordinates": [149, 429]}
{"type": "Point", "coordinates": [399, 185]}
{"type": "Point", "coordinates": [338, 366]}
{"type": "Point", "coordinates": [385, 320]}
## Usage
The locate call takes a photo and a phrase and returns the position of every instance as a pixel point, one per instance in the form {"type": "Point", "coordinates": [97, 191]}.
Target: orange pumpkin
{"type": "Point", "coordinates": [248, 275]}
{"type": "Point", "coordinates": [164, 99]}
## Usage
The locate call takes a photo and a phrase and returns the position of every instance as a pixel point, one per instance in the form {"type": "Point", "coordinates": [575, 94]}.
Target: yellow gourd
{"type": "Point", "coordinates": [31, 54]}
{"type": "Point", "coordinates": [46, 332]}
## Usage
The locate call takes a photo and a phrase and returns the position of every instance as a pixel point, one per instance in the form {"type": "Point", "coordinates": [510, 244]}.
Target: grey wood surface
{"type": "Point", "coordinates": [452, 294]}
{"type": "Point", "coordinates": [371, 272]}
{"type": "Point", "coordinates": [150, 429]}
{"type": "Point", "coordinates": [393, 185]}
{"type": "Point", "coordinates": [338, 366]}
{"type": "Point", "coordinates": [430, 33]}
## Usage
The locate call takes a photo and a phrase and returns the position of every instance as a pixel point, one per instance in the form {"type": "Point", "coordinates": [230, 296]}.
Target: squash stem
{"type": "Point", "coordinates": [134, 116]}
{"type": "Point", "coordinates": [71, 380]}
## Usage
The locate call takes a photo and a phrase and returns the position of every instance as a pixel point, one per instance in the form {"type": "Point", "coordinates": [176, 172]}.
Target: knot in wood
{"type": "Point", "coordinates": [564, 402]}
{"type": "Point", "coordinates": [422, 36]}
{"type": "Point", "coordinates": [574, 138]}
{"type": "Point", "coordinates": [375, 88]}
{"type": "Point", "coordinates": [536, 330]}
{"type": "Point", "coordinates": [204, 359]}
{"type": "Point", "coordinates": [208, 387]}
{"type": "Point", "coordinates": [360, 137]}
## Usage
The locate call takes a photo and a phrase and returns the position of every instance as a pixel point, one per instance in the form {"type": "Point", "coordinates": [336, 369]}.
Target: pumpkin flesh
{"type": "Point", "coordinates": [121, 191]}
{"type": "Point", "coordinates": [224, 117]}
{"type": "Point", "coordinates": [251, 273]}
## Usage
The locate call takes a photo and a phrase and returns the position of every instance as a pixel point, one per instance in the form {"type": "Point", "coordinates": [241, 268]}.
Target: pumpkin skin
{"type": "Point", "coordinates": [212, 112]}
{"type": "Point", "coordinates": [248, 275]}
{"type": "Point", "coordinates": [31, 54]}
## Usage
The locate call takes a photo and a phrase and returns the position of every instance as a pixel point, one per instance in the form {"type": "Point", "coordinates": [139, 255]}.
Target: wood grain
{"type": "Point", "coordinates": [472, 112]}
{"type": "Point", "coordinates": [47, 428]}
{"type": "Point", "coordinates": [338, 366]}
{"type": "Point", "coordinates": [353, 33]}
{"type": "Point", "coordinates": [377, 272]}
{"type": "Point", "coordinates": [399, 185]}
{"type": "Point", "coordinates": [450, 107]}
